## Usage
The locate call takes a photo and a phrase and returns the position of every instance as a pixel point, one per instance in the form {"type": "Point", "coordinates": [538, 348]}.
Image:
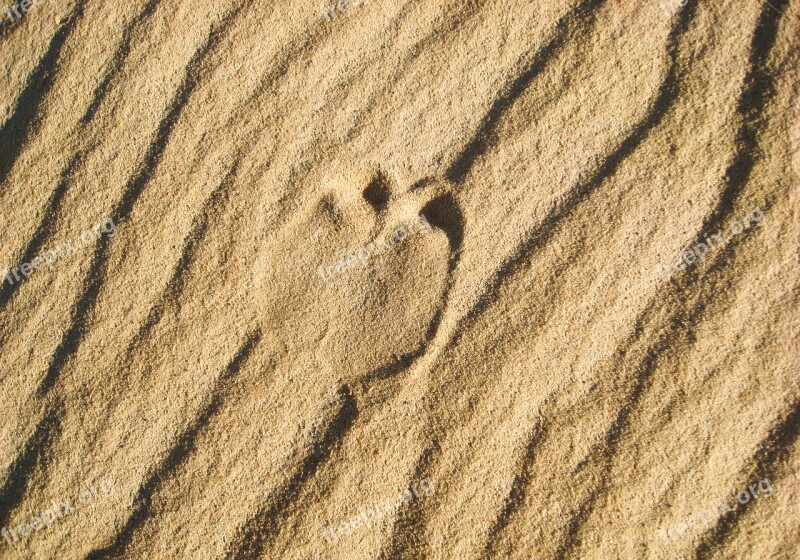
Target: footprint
{"type": "Point", "coordinates": [378, 193]}
{"type": "Point", "coordinates": [369, 269]}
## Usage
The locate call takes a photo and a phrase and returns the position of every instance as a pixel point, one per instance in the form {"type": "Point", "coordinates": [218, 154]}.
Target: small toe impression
{"type": "Point", "coordinates": [377, 193]}
{"type": "Point", "coordinates": [341, 209]}
{"type": "Point", "coordinates": [443, 212]}
{"type": "Point", "coordinates": [330, 211]}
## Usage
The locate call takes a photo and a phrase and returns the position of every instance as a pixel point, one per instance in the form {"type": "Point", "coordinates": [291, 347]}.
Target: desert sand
{"type": "Point", "coordinates": [438, 279]}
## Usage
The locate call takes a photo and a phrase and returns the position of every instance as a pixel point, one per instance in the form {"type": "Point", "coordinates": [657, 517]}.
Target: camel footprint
{"type": "Point", "coordinates": [369, 269]}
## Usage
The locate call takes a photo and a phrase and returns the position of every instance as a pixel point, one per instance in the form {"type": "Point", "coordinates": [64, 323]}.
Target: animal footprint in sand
{"type": "Point", "coordinates": [373, 265]}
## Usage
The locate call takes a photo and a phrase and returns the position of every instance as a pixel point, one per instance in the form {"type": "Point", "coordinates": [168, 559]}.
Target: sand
{"type": "Point", "coordinates": [447, 279]}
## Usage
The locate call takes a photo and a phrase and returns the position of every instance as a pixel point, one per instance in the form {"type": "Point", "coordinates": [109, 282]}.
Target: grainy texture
{"type": "Point", "coordinates": [526, 372]}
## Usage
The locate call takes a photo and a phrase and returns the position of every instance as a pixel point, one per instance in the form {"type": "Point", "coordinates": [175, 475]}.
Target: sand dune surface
{"type": "Point", "coordinates": [379, 279]}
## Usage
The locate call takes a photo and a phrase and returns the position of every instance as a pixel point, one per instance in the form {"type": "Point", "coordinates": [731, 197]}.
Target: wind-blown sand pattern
{"type": "Point", "coordinates": [519, 380]}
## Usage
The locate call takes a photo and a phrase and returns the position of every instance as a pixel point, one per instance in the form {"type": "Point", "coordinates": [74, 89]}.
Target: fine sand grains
{"type": "Point", "coordinates": [400, 280]}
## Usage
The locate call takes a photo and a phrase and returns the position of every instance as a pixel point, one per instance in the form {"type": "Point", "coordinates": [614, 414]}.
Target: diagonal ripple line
{"type": "Point", "coordinates": [543, 231]}
{"type": "Point", "coordinates": [26, 118]}
{"type": "Point", "coordinates": [566, 27]}
{"type": "Point", "coordinates": [97, 273]}
{"type": "Point", "coordinates": [181, 450]}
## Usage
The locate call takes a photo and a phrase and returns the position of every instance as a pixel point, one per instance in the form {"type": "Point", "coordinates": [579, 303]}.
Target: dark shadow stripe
{"type": "Point", "coordinates": [606, 452]}
{"type": "Point", "coordinates": [759, 89]}
{"type": "Point", "coordinates": [181, 450]}
{"type": "Point", "coordinates": [483, 138]}
{"type": "Point", "coordinates": [407, 540]}
{"type": "Point", "coordinates": [259, 531]}
{"type": "Point", "coordinates": [682, 324]}
{"type": "Point", "coordinates": [516, 495]}
{"type": "Point", "coordinates": [30, 460]}
{"type": "Point", "coordinates": [26, 118]}
{"type": "Point", "coordinates": [772, 452]}
{"type": "Point", "coordinates": [113, 72]}
{"type": "Point", "coordinates": [176, 284]}
{"type": "Point", "coordinates": [44, 230]}
{"type": "Point", "coordinates": [96, 274]}
{"type": "Point", "coordinates": [668, 93]}
{"type": "Point", "coordinates": [8, 27]}
{"type": "Point", "coordinates": [563, 209]}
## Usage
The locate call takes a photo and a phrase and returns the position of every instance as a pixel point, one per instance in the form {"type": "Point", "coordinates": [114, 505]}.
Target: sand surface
{"type": "Point", "coordinates": [434, 279]}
